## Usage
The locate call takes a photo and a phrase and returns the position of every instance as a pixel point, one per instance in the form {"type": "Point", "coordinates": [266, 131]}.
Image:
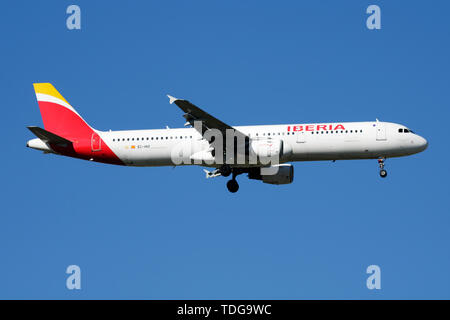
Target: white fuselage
{"type": "Point", "coordinates": [308, 142]}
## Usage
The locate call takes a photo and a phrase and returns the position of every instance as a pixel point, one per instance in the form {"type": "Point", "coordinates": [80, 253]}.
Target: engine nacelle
{"type": "Point", "coordinates": [276, 174]}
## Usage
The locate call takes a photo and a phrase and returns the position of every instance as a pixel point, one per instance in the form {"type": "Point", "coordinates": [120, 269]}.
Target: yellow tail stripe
{"type": "Point", "coordinates": [49, 89]}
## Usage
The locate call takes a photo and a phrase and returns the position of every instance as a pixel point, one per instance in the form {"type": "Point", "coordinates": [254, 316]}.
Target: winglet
{"type": "Point", "coordinates": [172, 99]}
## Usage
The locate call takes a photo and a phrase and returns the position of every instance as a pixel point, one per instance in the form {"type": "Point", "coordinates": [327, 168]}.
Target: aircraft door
{"type": "Point", "coordinates": [381, 131]}
{"type": "Point", "coordinates": [96, 142]}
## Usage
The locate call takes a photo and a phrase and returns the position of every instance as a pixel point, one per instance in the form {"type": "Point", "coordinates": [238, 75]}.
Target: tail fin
{"type": "Point", "coordinates": [58, 115]}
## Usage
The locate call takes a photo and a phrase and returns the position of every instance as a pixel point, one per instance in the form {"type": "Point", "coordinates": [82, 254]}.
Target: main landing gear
{"type": "Point", "coordinates": [226, 171]}
{"type": "Point", "coordinates": [383, 173]}
{"type": "Point", "coordinates": [232, 185]}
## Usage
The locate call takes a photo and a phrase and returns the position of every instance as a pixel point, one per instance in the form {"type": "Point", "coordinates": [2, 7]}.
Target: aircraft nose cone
{"type": "Point", "coordinates": [423, 143]}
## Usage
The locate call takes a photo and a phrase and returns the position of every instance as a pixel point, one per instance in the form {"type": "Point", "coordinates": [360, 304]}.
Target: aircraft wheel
{"type": "Point", "coordinates": [383, 173]}
{"type": "Point", "coordinates": [232, 186]}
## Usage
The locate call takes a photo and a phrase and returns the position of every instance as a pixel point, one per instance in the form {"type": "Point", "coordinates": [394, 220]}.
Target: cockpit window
{"type": "Point", "coordinates": [404, 130]}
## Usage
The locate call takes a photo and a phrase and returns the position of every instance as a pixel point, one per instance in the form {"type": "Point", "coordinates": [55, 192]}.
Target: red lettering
{"type": "Point", "coordinates": [310, 127]}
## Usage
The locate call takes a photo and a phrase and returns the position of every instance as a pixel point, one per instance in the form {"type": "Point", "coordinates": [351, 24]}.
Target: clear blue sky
{"type": "Point", "coordinates": [170, 233]}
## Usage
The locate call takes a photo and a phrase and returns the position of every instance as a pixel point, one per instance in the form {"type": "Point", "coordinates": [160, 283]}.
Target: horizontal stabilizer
{"type": "Point", "coordinates": [48, 137]}
{"type": "Point", "coordinates": [212, 174]}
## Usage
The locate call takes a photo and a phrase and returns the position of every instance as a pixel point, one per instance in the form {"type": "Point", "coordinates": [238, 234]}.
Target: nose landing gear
{"type": "Point", "coordinates": [383, 172]}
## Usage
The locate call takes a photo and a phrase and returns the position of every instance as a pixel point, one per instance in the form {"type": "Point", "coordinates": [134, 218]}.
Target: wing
{"type": "Point", "coordinates": [194, 113]}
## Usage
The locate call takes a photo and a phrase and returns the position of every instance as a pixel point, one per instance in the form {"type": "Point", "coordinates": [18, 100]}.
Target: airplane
{"type": "Point", "coordinates": [66, 133]}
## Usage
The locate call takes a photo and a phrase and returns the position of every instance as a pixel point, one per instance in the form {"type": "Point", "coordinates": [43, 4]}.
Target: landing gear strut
{"type": "Point", "coordinates": [232, 185]}
{"type": "Point", "coordinates": [383, 173]}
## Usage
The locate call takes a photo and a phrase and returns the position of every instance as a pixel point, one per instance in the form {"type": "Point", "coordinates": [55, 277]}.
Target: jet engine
{"type": "Point", "coordinates": [276, 174]}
